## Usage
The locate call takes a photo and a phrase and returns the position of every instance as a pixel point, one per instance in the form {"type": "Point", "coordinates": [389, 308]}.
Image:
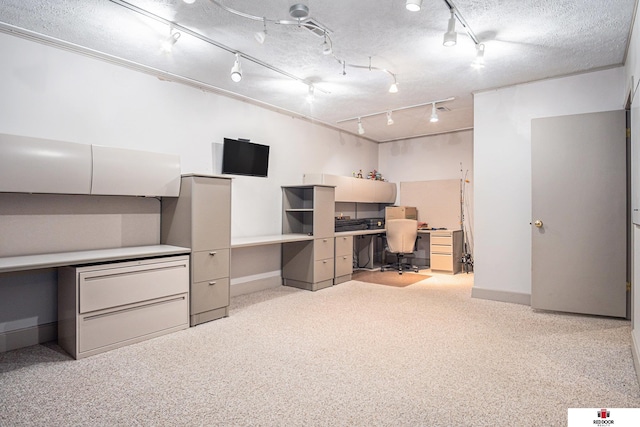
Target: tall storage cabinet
{"type": "Point", "coordinates": [200, 218]}
{"type": "Point", "coordinates": [308, 209]}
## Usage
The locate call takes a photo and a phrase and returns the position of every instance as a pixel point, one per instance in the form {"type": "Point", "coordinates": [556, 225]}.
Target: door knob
{"type": "Point", "coordinates": [538, 223]}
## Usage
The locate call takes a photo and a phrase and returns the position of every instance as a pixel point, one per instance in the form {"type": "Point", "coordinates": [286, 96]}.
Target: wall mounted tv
{"type": "Point", "coordinates": [241, 157]}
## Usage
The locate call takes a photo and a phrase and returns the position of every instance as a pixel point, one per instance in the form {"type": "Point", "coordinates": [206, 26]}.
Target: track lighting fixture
{"type": "Point", "coordinates": [236, 70]}
{"type": "Point", "coordinates": [434, 113]}
{"type": "Point", "coordinates": [450, 37]}
{"type": "Point", "coordinates": [167, 44]}
{"type": "Point", "coordinates": [311, 94]}
{"type": "Point", "coordinates": [394, 87]}
{"type": "Point", "coordinates": [326, 45]}
{"type": "Point", "coordinates": [390, 121]}
{"type": "Point", "coordinates": [478, 62]}
{"type": "Point", "coordinates": [189, 1]}
{"type": "Point", "coordinates": [260, 36]}
{"type": "Point", "coordinates": [413, 5]}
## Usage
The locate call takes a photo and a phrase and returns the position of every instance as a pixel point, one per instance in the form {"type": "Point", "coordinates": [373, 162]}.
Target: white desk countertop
{"type": "Point", "coordinates": [32, 262]}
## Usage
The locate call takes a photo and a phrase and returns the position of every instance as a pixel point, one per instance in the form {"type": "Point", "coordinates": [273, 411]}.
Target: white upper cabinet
{"type": "Point", "coordinates": [124, 172]}
{"type": "Point", "coordinates": [349, 189]}
{"type": "Point", "coordinates": [35, 165]}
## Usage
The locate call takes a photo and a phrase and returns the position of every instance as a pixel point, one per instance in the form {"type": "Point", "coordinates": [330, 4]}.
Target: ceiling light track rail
{"type": "Point", "coordinates": [454, 10]}
{"type": "Point", "coordinates": [305, 20]}
{"type": "Point", "coordinates": [438, 101]}
{"type": "Point", "coordinates": [210, 41]}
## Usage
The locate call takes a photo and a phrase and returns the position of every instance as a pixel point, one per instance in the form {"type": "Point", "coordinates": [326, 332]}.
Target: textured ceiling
{"type": "Point", "coordinates": [524, 40]}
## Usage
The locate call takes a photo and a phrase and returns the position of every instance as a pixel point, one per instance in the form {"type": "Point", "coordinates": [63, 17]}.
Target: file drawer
{"type": "Point", "coordinates": [442, 262]}
{"type": "Point", "coordinates": [209, 295]}
{"type": "Point", "coordinates": [344, 265]}
{"type": "Point", "coordinates": [344, 245]}
{"type": "Point", "coordinates": [322, 248]}
{"type": "Point", "coordinates": [323, 270]}
{"type": "Point", "coordinates": [439, 239]}
{"type": "Point", "coordinates": [210, 264]}
{"type": "Point", "coordinates": [112, 285]}
{"type": "Point", "coordinates": [114, 328]}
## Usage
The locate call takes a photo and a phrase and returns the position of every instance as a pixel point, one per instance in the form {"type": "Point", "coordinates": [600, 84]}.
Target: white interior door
{"type": "Point", "coordinates": [578, 167]}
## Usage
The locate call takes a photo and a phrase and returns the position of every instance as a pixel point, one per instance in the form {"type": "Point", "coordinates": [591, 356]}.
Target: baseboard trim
{"type": "Point", "coordinates": [635, 354]}
{"type": "Point", "coordinates": [255, 285]}
{"type": "Point", "coordinates": [26, 337]}
{"type": "Point", "coordinates": [502, 296]}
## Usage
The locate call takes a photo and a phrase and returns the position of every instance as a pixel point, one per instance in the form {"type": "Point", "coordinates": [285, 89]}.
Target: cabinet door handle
{"type": "Point", "coordinates": [212, 283]}
{"type": "Point", "coordinates": [324, 262]}
{"type": "Point", "coordinates": [212, 253]}
{"type": "Point", "coordinates": [324, 240]}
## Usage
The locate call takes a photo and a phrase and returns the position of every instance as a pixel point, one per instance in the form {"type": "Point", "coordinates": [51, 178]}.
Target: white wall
{"type": "Point", "coordinates": [502, 167]}
{"type": "Point", "coordinates": [56, 94]}
{"type": "Point", "coordinates": [427, 158]}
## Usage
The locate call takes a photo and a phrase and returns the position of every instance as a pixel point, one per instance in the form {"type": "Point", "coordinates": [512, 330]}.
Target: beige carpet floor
{"type": "Point", "coordinates": [351, 355]}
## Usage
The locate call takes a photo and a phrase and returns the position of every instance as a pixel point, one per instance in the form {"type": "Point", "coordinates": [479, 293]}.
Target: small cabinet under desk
{"type": "Point", "coordinates": [105, 306]}
{"type": "Point", "coordinates": [343, 259]}
{"type": "Point", "coordinates": [446, 250]}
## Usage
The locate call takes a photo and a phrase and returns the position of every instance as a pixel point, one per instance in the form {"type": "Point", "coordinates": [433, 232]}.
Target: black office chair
{"type": "Point", "coordinates": [401, 241]}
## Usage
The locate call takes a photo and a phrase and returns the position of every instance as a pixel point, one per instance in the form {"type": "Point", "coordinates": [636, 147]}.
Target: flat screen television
{"type": "Point", "coordinates": [241, 157]}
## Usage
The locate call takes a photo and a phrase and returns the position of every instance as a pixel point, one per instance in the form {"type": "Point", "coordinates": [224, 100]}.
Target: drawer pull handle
{"type": "Point", "coordinates": [212, 253]}
{"type": "Point", "coordinates": [324, 262]}
{"type": "Point", "coordinates": [212, 283]}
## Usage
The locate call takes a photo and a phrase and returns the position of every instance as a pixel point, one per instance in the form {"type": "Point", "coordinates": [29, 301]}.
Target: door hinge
{"type": "Point", "coordinates": [628, 132]}
{"type": "Point", "coordinates": [629, 286]}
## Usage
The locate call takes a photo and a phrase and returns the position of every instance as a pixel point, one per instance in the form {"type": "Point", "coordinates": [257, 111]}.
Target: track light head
{"type": "Point", "coordinates": [360, 128]}
{"type": "Point", "coordinates": [451, 37]}
{"type": "Point", "coordinates": [389, 119]}
{"type": "Point", "coordinates": [434, 114]}
{"type": "Point", "coordinates": [236, 70]}
{"type": "Point", "coordinates": [413, 5]}
{"type": "Point", "coordinates": [167, 44]}
{"type": "Point", "coordinates": [326, 45]}
{"type": "Point", "coordinates": [311, 94]}
{"type": "Point", "coordinates": [478, 62]}
{"type": "Point", "coordinates": [189, 1]}
{"type": "Point", "coordinates": [261, 36]}
{"type": "Point", "coordinates": [394, 87]}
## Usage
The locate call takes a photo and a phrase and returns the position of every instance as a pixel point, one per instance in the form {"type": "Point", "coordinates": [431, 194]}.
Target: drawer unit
{"type": "Point", "coordinates": [308, 209]}
{"type": "Point", "coordinates": [323, 270]}
{"type": "Point", "coordinates": [113, 286]}
{"type": "Point", "coordinates": [106, 306]}
{"type": "Point", "coordinates": [202, 293]}
{"type": "Point", "coordinates": [111, 329]}
{"type": "Point", "coordinates": [343, 259]}
{"type": "Point", "coordinates": [446, 251]}
{"type": "Point", "coordinates": [201, 219]}
{"type": "Point", "coordinates": [208, 265]}
{"type": "Point", "coordinates": [323, 248]}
